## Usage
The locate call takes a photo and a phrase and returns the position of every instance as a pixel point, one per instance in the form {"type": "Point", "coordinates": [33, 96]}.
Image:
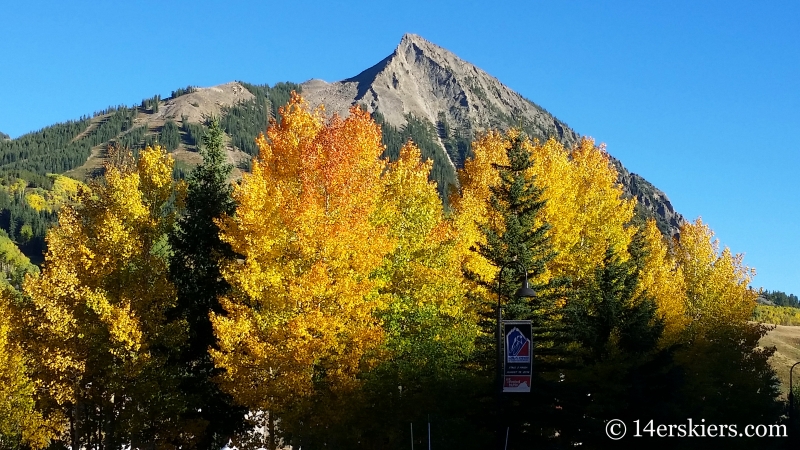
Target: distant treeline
{"type": "Point", "coordinates": [781, 298]}
{"type": "Point", "coordinates": [786, 309]}
{"type": "Point", "coordinates": [183, 91]}
{"type": "Point", "coordinates": [777, 315]}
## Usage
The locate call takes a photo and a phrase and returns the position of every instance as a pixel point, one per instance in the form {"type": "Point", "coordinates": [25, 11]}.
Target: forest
{"type": "Point", "coordinates": [331, 299]}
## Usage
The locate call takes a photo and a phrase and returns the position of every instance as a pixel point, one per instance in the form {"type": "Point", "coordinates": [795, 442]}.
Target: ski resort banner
{"type": "Point", "coordinates": [518, 356]}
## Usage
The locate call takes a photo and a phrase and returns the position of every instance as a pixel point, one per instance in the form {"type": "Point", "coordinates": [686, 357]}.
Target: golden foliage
{"type": "Point", "coordinates": [777, 315]}
{"type": "Point", "coordinates": [661, 278]}
{"type": "Point", "coordinates": [98, 306]}
{"type": "Point", "coordinates": [36, 201]}
{"type": "Point", "coordinates": [588, 214]}
{"type": "Point", "coordinates": [302, 300]}
{"type": "Point", "coordinates": [585, 206]}
{"type": "Point", "coordinates": [717, 292]}
{"type": "Point", "coordinates": [19, 420]}
{"type": "Point", "coordinates": [427, 304]}
{"type": "Point", "coordinates": [584, 203]}
{"type": "Point", "coordinates": [65, 191]}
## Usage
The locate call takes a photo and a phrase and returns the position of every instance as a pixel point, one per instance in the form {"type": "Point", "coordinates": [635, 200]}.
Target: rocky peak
{"type": "Point", "coordinates": [432, 83]}
{"type": "Point", "coordinates": [426, 80]}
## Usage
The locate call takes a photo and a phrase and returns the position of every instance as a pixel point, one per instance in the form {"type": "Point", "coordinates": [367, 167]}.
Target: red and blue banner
{"type": "Point", "coordinates": [518, 360]}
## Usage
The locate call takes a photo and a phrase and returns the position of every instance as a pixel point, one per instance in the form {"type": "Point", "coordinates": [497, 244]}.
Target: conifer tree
{"type": "Point", "coordinates": [520, 238]}
{"type": "Point", "coordinates": [518, 244]}
{"type": "Point", "coordinates": [194, 269]}
{"type": "Point", "coordinates": [616, 368]}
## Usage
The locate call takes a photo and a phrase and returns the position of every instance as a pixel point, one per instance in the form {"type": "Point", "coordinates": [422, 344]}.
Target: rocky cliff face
{"type": "Point", "coordinates": [651, 202]}
{"type": "Point", "coordinates": [432, 83]}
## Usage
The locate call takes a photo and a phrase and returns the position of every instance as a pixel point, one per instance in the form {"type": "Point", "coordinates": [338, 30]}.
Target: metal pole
{"type": "Point", "coordinates": [499, 357]}
{"type": "Point", "coordinates": [499, 336]}
{"type": "Point", "coordinates": [412, 435]}
{"type": "Point", "coordinates": [500, 349]}
{"type": "Point", "coordinates": [429, 432]}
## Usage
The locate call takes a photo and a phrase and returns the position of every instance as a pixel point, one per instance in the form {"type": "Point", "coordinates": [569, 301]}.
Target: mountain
{"type": "Point", "coordinates": [429, 83]}
{"type": "Point", "coordinates": [4, 136]}
{"type": "Point", "coordinates": [432, 83]}
{"type": "Point", "coordinates": [421, 92]}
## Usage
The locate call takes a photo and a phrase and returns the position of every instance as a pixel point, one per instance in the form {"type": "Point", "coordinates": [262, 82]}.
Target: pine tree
{"type": "Point", "coordinates": [616, 369]}
{"type": "Point", "coordinates": [194, 269]}
{"type": "Point", "coordinates": [517, 242]}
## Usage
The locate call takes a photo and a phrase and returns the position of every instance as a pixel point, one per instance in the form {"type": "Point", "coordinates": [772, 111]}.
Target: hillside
{"type": "Point", "coordinates": [787, 342]}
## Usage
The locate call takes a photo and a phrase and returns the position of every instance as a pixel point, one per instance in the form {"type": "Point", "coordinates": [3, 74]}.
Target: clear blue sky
{"type": "Point", "coordinates": [701, 98]}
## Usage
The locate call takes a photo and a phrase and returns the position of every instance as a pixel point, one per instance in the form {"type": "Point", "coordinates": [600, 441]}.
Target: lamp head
{"type": "Point", "coordinates": [525, 291]}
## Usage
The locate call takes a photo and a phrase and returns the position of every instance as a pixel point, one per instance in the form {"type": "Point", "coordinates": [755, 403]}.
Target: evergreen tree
{"type": "Point", "coordinates": [518, 243]}
{"type": "Point", "coordinates": [195, 270]}
{"type": "Point", "coordinates": [616, 369]}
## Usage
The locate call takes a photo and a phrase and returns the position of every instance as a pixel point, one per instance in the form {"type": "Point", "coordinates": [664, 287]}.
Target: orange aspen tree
{"type": "Point", "coordinates": [428, 329]}
{"type": "Point", "coordinates": [299, 319]}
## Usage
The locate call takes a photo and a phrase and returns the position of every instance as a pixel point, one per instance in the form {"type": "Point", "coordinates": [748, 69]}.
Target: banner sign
{"type": "Point", "coordinates": [518, 356]}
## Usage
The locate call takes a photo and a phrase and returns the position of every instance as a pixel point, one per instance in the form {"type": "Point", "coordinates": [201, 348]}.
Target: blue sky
{"type": "Point", "coordinates": [700, 98]}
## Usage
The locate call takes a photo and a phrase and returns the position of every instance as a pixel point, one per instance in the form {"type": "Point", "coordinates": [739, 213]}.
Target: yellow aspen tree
{"type": "Point", "coordinates": [20, 422]}
{"type": "Point", "coordinates": [716, 282]}
{"type": "Point", "coordinates": [98, 310]}
{"type": "Point", "coordinates": [585, 206]}
{"type": "Point", "coordinates": [728, 372]}
{"type": "Point", "coordinates": [428, 323]}
{"type": "Point", "coordinates": [299, 319]}
{"type": "Point", "coordinates": [661, 278]}
{"type": "Point", "coordinates": [36, 201]}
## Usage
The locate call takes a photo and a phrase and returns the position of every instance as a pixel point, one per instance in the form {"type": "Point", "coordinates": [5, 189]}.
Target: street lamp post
{"type": "Point", "coordinates": [523, 292]}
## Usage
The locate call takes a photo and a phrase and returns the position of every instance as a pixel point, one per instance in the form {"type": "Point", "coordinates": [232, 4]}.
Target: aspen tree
{"type": "Point", "coordinates": [299, 318]}
{"type": "Point", "coordinates": [98, 311]}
